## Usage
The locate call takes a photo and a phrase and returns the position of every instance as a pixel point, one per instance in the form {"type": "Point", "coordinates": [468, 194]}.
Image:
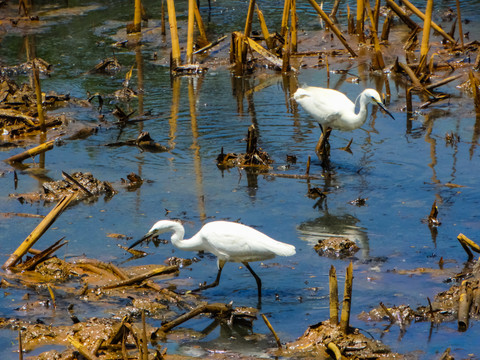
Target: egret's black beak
{"type": "Point", "coordinates": [145, 237]}
{"type": "Point", "coordinates": [384, 109]}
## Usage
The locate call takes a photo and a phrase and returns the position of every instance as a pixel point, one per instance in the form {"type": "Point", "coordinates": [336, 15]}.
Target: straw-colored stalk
{"type": "Point", "coordinates": [417, 12]}
{"type": "Point", "coordinates": [38, 93]}
{"type": "Point", "coordinates": [351, 21]}
{"type": "Point", "coordinates": [378, 63]}
{"type": "Point", "coordinates": [172, 20]}
{"type": "Point", "coordinates": [402, 14]}
{"type": "Point", "coordinates": [333, 13]}
{"type": "Point", "coordinates": [270, 327]}
{"type": "Point", "coordinates": [460, 27]}
{"type": "Point", "coordinates": [137, 17]}
{"type": "Point", "coordinates": [336, 351]}
{"type": "Point", "coordinates": [202, 40]}
{"type": "Point", "coordinates": [386, 27]}
{"type": "Point", "coordinates": [39, 230]}
{"type": "Point", "coordinates": [332, 26]}
{"type": "Point", "coordinates": [333, 285]}
{"type": "Point", "coordinates": [263, 26]}
{"type": "Point", "coordinates": [425, 36]}
{"type": "Point", "coordinates": [82, 349]}
{"type": "Point", "coordinates": [347, 300]}
{"type": "Point", "coordinates": [360, 19]}
{"type": "Point", "coordinates": [190, 27]}
{"type": "Point", "coordinates": [293, 26]}
{"type": "Point", "coordinates": [464, 302]}
{"type": "Point", "coordinates": [376, 13]}
{"type": "Point", "coordinates": [31, 152]}
{"type": "Point", "coordinates": [248, 22]}
{"type": "Point", "coordinates": [286, 12]}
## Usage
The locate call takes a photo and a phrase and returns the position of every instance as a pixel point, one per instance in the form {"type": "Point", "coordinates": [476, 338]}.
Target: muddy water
{"type": "Point", "coordinates": [400, 167]}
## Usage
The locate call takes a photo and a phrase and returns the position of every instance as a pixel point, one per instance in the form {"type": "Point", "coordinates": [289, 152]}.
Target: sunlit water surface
{"type": "Point", "coordinates": [401, 168]}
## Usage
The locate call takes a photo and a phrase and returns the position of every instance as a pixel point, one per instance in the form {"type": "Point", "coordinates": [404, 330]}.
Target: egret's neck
{"type": "Point", "coordinates": [358, 119]}
{"type": "Point", "coordinates": [192, 244]}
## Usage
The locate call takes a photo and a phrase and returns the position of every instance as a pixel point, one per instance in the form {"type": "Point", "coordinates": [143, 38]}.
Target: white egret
{"type": "Point", "coordinates": [332, 109]}
{"type": "Point", "coordinates": [229, 241]}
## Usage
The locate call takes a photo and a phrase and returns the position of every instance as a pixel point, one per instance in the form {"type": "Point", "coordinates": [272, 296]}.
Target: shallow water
{"type": "Point", "coordinates": [400, 167]}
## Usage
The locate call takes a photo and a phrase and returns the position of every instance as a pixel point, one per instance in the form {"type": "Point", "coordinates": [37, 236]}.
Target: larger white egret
{"type": "Point", "coordinates": [229, 241]}
{"type": "Point", "coordinates": [332, 109]}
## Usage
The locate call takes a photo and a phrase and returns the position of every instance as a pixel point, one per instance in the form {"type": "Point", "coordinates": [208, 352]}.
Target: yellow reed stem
{"type": "Point", "coordinates": [190, 27]}
{"type": "Point", "coordinates": [172, 20]}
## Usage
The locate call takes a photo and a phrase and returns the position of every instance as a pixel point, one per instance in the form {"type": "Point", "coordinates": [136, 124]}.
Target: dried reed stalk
{"type": "Point", "coordinates": [336, 351]}
{"type": "Point", "coordinates": [333, 285]}
{"type": "Point", "coordinates": [417, 12]}
{"type": "Point", "coordinates": [387, 24]}
{"type": "Point", "coordinates": [379, 64]}
{"type": "Point", "coordinates": [270, 327]}
{"type": "Point", "coordinates": [202, 40]}
{"type": "Point", "coordinates": [464, 302]}
{"type": "Point", "coordinates": [360, 19]}
{"type": "Point", "coordinates": [248, 21]}
{"type": "Point", "coordinates": [172, 20]}
{"type": "Point", "coordinates": [293, 27]}
{"type": "Point", "coordinates": [190, 28]}
{"type": "Point", "coordinates": [286, 12]}
{"type": "Point", "coordinates": [162, 19]}
{"type": "Point", "coordinates": [474, 85]}
{"type": "Point", "coordinates": [333, 13]}
{"type": "Point", "coordinates": [460, 27]}
{"type": "Point", "coordinates": [38, 93]}
{"type": "Point", "coordinates": [402, 15]}
{"type": "Point", "coordinates": [425, 37]}
{"type": "Point", "coordinates": [137, 17]}
{"type": "Point", "coordinates": [263, 26]}
{"type": "Point", "coordinates": [39, 230]}
{"type": "Point", "coordinates": [138, 279]}
{"type": "Point", "coordinates": [347, 300]}
{"type": "Point", "coordinates": [332, 26]}
{"type": "Point", "coordinates": [31, 152]}
{"type": "Point", "coordinates": [82, 349]}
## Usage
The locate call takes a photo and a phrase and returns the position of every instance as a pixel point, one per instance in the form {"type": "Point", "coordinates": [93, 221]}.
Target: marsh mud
{"type": "Point", "coordinates": [135, 135]}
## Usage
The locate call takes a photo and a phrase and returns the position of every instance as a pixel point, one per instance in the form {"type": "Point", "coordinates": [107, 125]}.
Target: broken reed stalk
{"type": "Point", "coordinates": [333, 27]}
{"type": "Point", "coordinates": [248, 22]}
{"type": "Point", "coordinates": [38, 93]}
{"type": "Point", "coordinates": [402, 15]}
{"type": "Point", "coordinates": [464, 302]}
{"type": "Point", "coordinates": [207, 308]}
{"type": "Point", "coordinates": [333, 285]}
{"type": "Point", "coordinates": [263, 26]}
{"type": "Point", "coordinates": [31, 152]}
{"type": "Point", "coordinates": [460, 27]}
{"type": "Point", "coordinates": [82, 349]}
{"type": "Point", "coordinates": [427, 22]}
{"type": "Point", "coordinates": [172, 20]}
{"type": "Point", "coordinates": [39, 230]}
{"type": "Point", "coordinates": [360, 19]}
{"type": "Point", "coordinates": [387, 24]}
{"type": "Point", "coordinates": [417, 12]}
{"type": "Point", "coordinates": [190, 27]}
{"type": "Point", "coordinates": [202, 40]}
{"type": "Point", "coordinates": [270, 327]}
{"type": "Point", "coordinates": [379, 64]}
{"type": "Point", "coordinates": [347, 300]}
{"type": "Point", "coordinates": [138, 279]}
{"type": "Point", "coordinates": [333, 13]}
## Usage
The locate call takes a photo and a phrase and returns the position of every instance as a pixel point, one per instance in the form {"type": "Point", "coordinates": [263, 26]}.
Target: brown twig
{"type": "Point", "coordinates": [270, 327]}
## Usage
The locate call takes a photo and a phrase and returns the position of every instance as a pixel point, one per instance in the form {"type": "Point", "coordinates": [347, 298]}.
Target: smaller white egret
{"type": "Point", "coordinates": [332, 109]}
{"type": "Point", "coordinates": [229, 241]}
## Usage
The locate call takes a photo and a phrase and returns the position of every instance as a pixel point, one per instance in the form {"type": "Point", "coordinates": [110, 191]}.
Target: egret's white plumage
{"type": "Point", "coordinates": [229, 241]}
{"type": "Point", "coordinates": [331, 108]}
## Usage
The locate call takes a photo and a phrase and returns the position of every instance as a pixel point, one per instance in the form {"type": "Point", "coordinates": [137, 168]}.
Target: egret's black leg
{"type": "Point", "coordinates": [216, 282]}
{"type": "Point", "coordinates": [257, 279]}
